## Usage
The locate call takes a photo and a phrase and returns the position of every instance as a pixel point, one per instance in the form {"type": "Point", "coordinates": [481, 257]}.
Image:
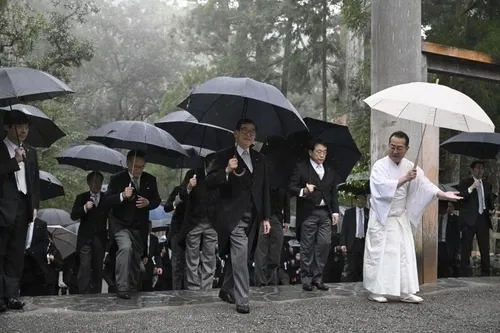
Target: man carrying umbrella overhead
{"type": "Point", "coordinates": [131, 194]}
{"type": "Point", "coordinates": [19, 202]}
{"type": "Point", "coordinates": [240, 174]}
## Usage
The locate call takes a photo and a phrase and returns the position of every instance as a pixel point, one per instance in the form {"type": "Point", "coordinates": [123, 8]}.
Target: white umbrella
{"type": "Point", "coordinates": [432, 104]}
{"type": "Point", "coordinates": [63, 239]}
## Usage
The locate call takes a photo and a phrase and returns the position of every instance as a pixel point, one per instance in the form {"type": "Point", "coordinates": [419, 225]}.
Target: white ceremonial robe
{"type": "Point", "coordinates": [390, 266]}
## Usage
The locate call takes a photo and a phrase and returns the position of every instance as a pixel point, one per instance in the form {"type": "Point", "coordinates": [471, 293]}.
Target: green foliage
{"type": "Point", "coordinates": [356, 15]}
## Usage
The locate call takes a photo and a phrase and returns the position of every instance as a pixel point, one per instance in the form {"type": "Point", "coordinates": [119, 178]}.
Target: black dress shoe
{"type": "Point", "coordinates": [243, 308]}
{"type": "Point", "coordinates": [226, 297]}
{"type": "Point", "coordinates": [307, 287]}
{"type": "Point", "coordinates": [123, 295]}
{"type": "Point", "coordinates": [321, 286]}
{"type": "Point", "coordinates": [14, 303]}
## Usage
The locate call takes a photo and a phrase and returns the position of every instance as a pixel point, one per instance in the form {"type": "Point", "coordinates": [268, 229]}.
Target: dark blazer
{"type": "Point", "coordinates": [469, 205]}
{"type": "Point", "coordinates": [452, 232]}
{"type": "Point", "coordinates": [348, 231]}
{"type": "Point", "coordinates": [124, 214]}
{"type": "Point", "coordinates": [326, 189]}
{"type": "Point", "coordinates": [179, 211]}
{"type": "Point", "coordinates": [8, 185]}
{"type": "Point", "coordinates": [238, 193]}
{"type": "Point", "coordinates": [280, 204]}
{"type": "Point", "coordinates": [91, 223]}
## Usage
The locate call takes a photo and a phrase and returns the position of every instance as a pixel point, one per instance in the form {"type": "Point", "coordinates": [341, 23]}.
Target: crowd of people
{"type": "Point", "coordinates": [229, 228]}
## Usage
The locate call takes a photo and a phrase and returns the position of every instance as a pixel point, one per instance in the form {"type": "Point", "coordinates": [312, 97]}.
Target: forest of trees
{"type": "Point", "coordinates": [137, 59]}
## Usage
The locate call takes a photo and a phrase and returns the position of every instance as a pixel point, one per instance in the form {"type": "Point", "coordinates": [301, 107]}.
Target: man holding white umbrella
{"type": "Point", "coordinates": [390, 266]}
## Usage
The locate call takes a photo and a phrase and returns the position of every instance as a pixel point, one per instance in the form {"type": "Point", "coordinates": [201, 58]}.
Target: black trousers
{"type": "Point", "coordinates": [91, 266]}
{"type": "Point", "coordinates": [268, 254]}
{"type": "Point", "coordinates": [12, 247]}
{"type": "Point", "coordinates": [354, 268]}
{"type": "Point", "coordinates": [447, 261]}
{"type": "Point", "coordinates": [481, 230]}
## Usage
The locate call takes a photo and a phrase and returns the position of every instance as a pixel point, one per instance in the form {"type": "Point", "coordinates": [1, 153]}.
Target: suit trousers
{"type": "Point", "coordinates": [128, 259]}
{"type": "Point", "coordinates": [354, 267]}
{"type": "Point", "coordinates": [91, 262]}
{"type": "Point", "coordinates": [482, 232]}
{"type": "Point", "coordinates": [200, 265]}
{"type": "Point", "coordinates": [12, 248]}
{"type": "Point", "coordinates": [268, 254]}
{"type": "Point", "coordinates": [236, 278]}
{"type": "Point", "coordinates": [178, 263]}
{"type": "Point", "coordinates": [316, 236]}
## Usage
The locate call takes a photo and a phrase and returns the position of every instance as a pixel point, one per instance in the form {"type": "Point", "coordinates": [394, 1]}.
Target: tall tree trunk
{"type": "Point", "coordinates": [286, 56]}
{"type": "Point", "coordinates": [324, 82]}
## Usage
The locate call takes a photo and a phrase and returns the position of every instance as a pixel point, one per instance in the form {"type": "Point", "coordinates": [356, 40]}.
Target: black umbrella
{"type": "Point", "coordinates": [474, 144]}
{"type": "Point", "coordinates": [448, 187]}
{"type": "Point", "coordinates": [188, 131]}
{"type": "Point", "coordinates": [43, 131]}
{"type": "Point", "coordinates": [281, 159]}
{"type": "Point", "coordinates": [223, 101]}
{"type": "Point", "coordinates": [18, 85]}
{"type": "Point", "coordinates": [195, 159]}
{"type": "Point", "coordinates": [343, 154]}
{"type": "Point", "coordinates": [50, 186]}
{"type": "Point", "coordinates": [93, 157]}
{"type": "Point", "coordinates": [54, 216]}
{"type": "Point", "coordinates": [126, 134]}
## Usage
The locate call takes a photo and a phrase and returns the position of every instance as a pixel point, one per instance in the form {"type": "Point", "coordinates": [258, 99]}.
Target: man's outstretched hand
{"type": "Point", "coordinates": [449, 196]}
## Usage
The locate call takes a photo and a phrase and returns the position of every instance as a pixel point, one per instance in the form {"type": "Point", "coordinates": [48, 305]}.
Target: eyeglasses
{"type": "Point", "coordinates": [320, 152]}
{"type": "Point", "coordinates": [247, 131]}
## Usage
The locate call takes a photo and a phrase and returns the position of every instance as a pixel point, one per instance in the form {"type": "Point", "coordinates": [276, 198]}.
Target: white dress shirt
{"type": "Point", "coordinates": [480, 195]}
{"type": "Point", "coordinates": [320, 170]}
{"type": "Point", "coordinates": [97, 198]}
{"type": "Point", "coordinates": [246, 158]}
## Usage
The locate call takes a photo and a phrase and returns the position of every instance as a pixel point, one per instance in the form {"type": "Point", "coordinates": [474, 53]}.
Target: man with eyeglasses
{"type": "Point", "coordinates": [315, 186]}
{"type": "Point", "coordinates": [400, 192]}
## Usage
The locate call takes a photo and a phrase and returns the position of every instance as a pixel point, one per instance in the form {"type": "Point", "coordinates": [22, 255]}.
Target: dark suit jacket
{"type": "Point", "coordinates": [326, 189]}
{"type": "Point", "coordinates": [178, 215]}
{"type": "Point", "coordinates": [348, 231]}
{"type": "Point", "coordinates": [452, 233]}
{"type": "Point", "coordinates": [469, 205]}
{"type": "Point", "coordinates": [237, 194]}
{"type": "Point", "coordinates": [280, 204]}
{"type": "Point", "coordinates": [36, 266]}
{"type": "Point", "coordinates": [124, 214]}
{"type": "Point", "coordinates": [154, 252]}
{"type": "Point", "coordinates": [8, 185]}
{"type": "Point", "coordinates": [91, 223]}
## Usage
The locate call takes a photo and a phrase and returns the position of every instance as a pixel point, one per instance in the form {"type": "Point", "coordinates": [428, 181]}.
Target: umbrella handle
{"type": "Point", "coordinates": [239, 174]}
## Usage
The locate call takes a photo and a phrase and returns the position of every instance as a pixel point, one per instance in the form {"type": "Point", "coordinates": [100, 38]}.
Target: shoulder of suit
{"type": "Point", "coordinates": [147, 175]}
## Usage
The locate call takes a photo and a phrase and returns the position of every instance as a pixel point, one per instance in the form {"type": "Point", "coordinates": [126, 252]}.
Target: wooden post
{"type": "Point", "coordinates": [396, 58]}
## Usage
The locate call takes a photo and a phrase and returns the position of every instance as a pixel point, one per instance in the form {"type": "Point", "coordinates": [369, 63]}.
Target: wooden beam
{"type": "Point", "coordinates": [455, 52]}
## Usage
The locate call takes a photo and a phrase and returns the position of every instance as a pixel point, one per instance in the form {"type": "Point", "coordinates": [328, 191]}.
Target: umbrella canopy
{"type": "Point", "coordinates": [54, 216]}
{"type": "Point", "coordinates": [93, 157]}
{"type": "Point", "coordinates": [478, 145]}
{"type": "Point", "coordinates": [74, 227]}
{"type": "Point", "coordinates": [50, 186]}
{"type": "Point", "coordinates": [187, 130]}
{"type": "Point", "coordinates": [195, 159]}
{"type": "Point", "coordinates": [127, 134]}
{"type": "Point", "coordinates": [448, 187]}
{"type": "Point", "coordinates": [63, 239]}
{"type": "Point", "coordinates": [18, 85]}
{"type": "Point", "coordinates": [43, 131]}
{"type": "Point", "coordinates": [432, 104]}
{"type": "Point", "coordinates": [223, 101]}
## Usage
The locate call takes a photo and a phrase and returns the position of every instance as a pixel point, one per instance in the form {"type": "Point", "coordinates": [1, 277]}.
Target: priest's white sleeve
{"type": "Point", "coordinates": [382, 190]}
{"type": "Point", "coordinates": [421, 193]}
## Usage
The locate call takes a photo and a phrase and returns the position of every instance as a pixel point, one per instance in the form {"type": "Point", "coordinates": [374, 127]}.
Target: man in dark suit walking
{"type": "Point", "coordinates": [352, 238]}
{"type": "Point", "coordinates": [315, 186]}
{"type": "Point", "coordinates": [131, 194]}
{"type": "Point", "coordinates": [151, 261]}
{"type": "Point", "coordinates": [240, 174]}
{"type": "Point", "coordinates": [19, 202]}
{"type": "Point", "coordinates": [475, 217]}
{"type": "Point", "coordinates": [93, 213]}
{"type": "Point", "coordinates": [448, 240]}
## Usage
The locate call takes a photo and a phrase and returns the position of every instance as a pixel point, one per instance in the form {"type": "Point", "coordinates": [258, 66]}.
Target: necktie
{"type": "Point", "coordinates": [95, 199]}
{"type": "Point", "coordinates": [320, 171]}
{"type": "Point", "coordinates": [21, 178]}
{"type": "Point", "coordinates": [480, 197]}
{"type": "Point", "coordinates": [360, 230]}
{"type": "Point", "coordinates": [248, 161]}
{"type": "Point", "coordinates": [135, 180]}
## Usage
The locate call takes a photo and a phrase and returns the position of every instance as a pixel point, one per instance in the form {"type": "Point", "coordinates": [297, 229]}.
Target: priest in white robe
{"type": "Point", "coordinates": [400, 192]}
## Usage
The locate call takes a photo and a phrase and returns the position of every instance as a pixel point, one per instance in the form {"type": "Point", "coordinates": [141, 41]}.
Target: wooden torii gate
{"type": "Point", "coordinates": [399, 56]}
